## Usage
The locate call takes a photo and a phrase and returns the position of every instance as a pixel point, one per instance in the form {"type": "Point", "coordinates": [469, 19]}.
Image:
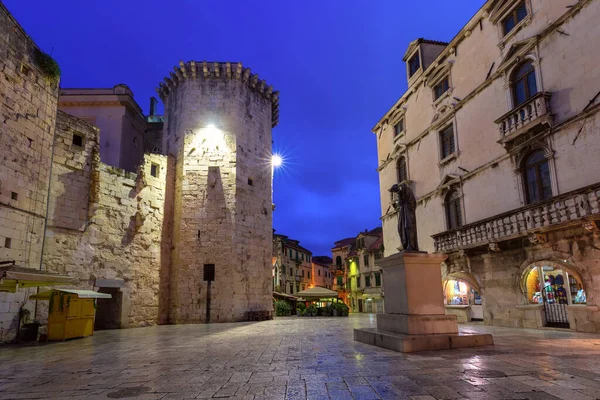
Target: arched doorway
{"type": "Point", "coordinates": [555, 286]}
{"type": "Point", "coordinates": [462, 297]}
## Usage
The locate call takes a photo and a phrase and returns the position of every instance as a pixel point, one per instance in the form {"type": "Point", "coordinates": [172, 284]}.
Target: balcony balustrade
{"type": "Point", "coordinates": [581, 205]}
{"type": "Point", "coordinates": [527, 116]}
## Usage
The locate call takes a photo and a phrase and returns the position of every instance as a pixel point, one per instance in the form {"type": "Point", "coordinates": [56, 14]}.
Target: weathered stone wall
{"type": "Point", "coordinates": [218, 122]}
{"type": "Point", "coordinates": [28, 101]}
{"type": "Point", "coordinates": [106, 224]}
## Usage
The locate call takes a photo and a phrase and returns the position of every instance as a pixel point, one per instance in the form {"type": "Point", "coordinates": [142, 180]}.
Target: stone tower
{"type": "Point", "coordinates": [217, 134]}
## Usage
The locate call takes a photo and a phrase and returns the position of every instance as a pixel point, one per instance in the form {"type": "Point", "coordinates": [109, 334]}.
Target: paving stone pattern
{"type": "Point", "coordinates": [299, 358]}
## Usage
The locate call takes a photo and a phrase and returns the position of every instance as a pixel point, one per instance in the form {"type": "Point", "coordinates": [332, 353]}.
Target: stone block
{"type": "Point", "coordinates": [417, 324]}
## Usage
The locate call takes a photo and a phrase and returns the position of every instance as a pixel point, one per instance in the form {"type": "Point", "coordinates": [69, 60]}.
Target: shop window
{"type": "Point", "coordinates": [377, 279]}
{"type": "Point", "coordinates": [401, 168]}
{"type": "Point", "coordinates": [536, 177]}
{"type": "Point", "coordinates": [553, 285]}
{"type": "Point", "coordinates": [523, 83]}
{"type": "Point", "coordinates": [459, 292]}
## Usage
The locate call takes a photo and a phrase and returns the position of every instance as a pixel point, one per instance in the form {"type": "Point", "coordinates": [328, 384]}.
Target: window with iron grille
{"type": "Point", "coordinates": [441, 88]}
{"type": "Point", "coordinates": [402, 170]}
{"type": "Point", "coordinates": [447, 142]}
{"type": "Point", "coordinates": [511, 20]}
{"type": "Point", "coordinates": [453, 210]}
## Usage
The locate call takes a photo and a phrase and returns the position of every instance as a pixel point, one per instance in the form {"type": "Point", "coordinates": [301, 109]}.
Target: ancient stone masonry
{"type": "Point", "coordinates": [218, 120]}
{"type": "Point", "coordinates": [105, 223]}
{"type": "Point", "coordinates": [28, 101]}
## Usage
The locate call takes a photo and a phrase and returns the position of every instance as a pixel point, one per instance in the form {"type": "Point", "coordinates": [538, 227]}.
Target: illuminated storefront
{"type": "Point", "coordinates": [462, 298]}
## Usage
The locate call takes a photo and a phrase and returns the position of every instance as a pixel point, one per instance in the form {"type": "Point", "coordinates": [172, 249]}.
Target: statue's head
{"type": "Point", "coordinates": [395, 188]}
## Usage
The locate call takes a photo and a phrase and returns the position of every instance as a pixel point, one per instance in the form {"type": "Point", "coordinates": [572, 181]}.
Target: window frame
{"type": "Point", "coordinates": [409, 64]}
{"type": "Point", "coordinates": [444, 83]}
{"type": "Point", "coordinates": [524, 78]}
{"type": "Point", "coordinates": [513, 14]}
{"type": "Point", "coordinates": [442, 140]}
{"type": "Point", "coordinates": [400, 122]}
{"type": "Point", "coordinates": [525, 167]}
{"type": "Point", "coordinates": [401, 169]}
{"type": "Point", "coordinates": [453, 209]}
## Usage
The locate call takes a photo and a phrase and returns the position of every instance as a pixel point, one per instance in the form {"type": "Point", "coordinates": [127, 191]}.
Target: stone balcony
{"type": "Point", "coordinates": [577, 207]}
{"type": "Point", "coordinates": [529, 116]}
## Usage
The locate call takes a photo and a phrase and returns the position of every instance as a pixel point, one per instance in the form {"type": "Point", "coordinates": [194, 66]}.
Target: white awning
{"type": "Point", "coordinates": [82, 294]}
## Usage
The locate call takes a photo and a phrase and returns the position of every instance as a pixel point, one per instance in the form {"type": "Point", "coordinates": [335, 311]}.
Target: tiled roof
{"type": "Point", "coordinates": [344, 242]}
{"type": "Point", "coordinates": [423, 40]}
{"type": "Point", "coordinates": [376, 244]}
{"type": "Point", "coordinates": [322, 260]}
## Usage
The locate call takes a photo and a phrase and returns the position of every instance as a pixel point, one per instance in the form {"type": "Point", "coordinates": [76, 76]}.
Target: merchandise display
{"type": "Point", "coordinates": [559, 286]}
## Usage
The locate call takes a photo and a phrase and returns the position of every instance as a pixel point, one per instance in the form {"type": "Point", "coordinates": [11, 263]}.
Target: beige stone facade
{"type": "Point", "coordinates": [498, 137]}
{"type": "Point", "coordinates": [145, 232]}
{"type": "Point", "coordinates": [292, 265]}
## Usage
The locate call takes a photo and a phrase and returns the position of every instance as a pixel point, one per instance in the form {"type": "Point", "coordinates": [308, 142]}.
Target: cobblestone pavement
{"type": "Point", "coordinates": [299, 358]}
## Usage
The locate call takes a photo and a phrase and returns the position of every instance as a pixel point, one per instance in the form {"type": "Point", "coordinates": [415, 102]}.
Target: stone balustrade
{"type": "Point", "coordinates": [579, 205]}
{"type": "Point", "coordinates": [528, 115]}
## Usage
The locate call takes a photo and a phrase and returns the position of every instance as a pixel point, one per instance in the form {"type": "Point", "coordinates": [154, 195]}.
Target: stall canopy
{"type": "Point", "coordinates": [13, 277]}
{"type": "Point", "coordinates": [317, 293]}
{"type": "Point", "coordinates": [82, 294]}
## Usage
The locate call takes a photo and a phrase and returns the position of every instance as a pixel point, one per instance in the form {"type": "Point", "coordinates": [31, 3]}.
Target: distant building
{"type": "Point", "coordinates": [119, 117]}
{"type": "Point", "coordinates": [292, 269]}
{"type": "Point", "coordinates": [358, 279]}
{"type": "Point", "coordinates": [322, 274]}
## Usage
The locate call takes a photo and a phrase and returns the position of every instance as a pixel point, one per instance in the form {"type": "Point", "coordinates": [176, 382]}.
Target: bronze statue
{"type": "Point", "coordinates": [405, 204]}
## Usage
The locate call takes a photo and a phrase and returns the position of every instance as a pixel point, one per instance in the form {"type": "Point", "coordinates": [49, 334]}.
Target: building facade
{"type": "Point", "coordinates": [186, 238]}
{"type": "Point", "coordinates": [497, 135]}
{"type": "Point", "coordinates": [119, 117]}
{"type": "Point", "coordinates": [292, 268]}
{"type": "Point", "coordinates": [339, 254]}
{"type": "Point", "coordinates": [322, 274]}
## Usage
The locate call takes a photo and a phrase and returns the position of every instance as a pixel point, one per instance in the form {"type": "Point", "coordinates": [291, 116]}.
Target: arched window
{"type": "Point", "coordinates": [338, 261]}
{"type": "Point", "coordinates": [523, 83]}
{"type": "Point", "coordinates": [536, 177]}
{"type": "Point", "coordinates": [401, 167]}
{"type": "Point", "coordinates": [453, 209]}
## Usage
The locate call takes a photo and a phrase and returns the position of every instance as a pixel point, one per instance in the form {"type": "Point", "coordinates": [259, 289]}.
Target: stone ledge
{"type": "Point", "coordinates": [414, 343]}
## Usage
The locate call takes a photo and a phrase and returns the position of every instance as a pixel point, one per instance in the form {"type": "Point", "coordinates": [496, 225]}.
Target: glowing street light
{"type": "Point", "coordinates": [276, 160]}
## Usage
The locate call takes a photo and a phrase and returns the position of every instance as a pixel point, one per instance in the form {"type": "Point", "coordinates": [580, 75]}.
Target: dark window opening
{"type": "Point", "coordinates": [536, 177]}
{"type": "Point", "coordinates": [14, 196]}
{"type": "Point", "coordinates": [399, 127]}
{"type": "Point", "coordinates": [453, 210]}
{"type": "Point", "coordinates": [367, 281]}
{"type": "Point", "coordinates": [523, 83]}
{"type": "Point", "coordinates": [209, 272]}
{"type": "Point", "coordinates": [413, 65]}
{"type": "Point", "coordinates": [250, 182]}
{"type": "Point", "coordinates": [338, 261]}
{"type": "Point", "coordinates": [517, 15]}
{"type": "Point", "coordinates": [447, 142]}
{"type": "Point", "coordinates": [154, 168]}
{"type": "Point", "coordinates": [402, 171]}
{"type": "Point", "coordinates": [77, 140]}
{"type": "Point", "coordinates": [366, 260]}
{"type": "Point", "coordinates": [441, 88]}
{"type": "Point", "coordinates": [30, 142]}
{"type": "Point", "coordinates": [377, 279]}
{"type": "Point", "coordinates": [8, 243]}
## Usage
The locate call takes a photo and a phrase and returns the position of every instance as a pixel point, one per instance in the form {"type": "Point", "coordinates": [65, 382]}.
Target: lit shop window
{"type": "Point", "coordinates": [459, 292]}
{"type": "Point", "coordinates": [553, 285]}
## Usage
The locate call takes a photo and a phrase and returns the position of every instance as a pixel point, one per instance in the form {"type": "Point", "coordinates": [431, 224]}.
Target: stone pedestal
{"type": "Point", "coordinates": [415, 318]}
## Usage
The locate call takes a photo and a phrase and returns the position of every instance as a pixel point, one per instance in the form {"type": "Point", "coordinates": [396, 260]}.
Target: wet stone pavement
{"type": "Point", "coordinates": [299, 358]}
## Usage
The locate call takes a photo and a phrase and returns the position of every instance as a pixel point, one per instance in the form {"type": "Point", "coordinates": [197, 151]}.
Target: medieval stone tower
{"type": "Point", "coordinates": [217, 134]}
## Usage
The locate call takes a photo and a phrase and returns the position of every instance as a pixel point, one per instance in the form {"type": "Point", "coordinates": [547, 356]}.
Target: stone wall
{"type": "Point", "coordinates": [218, 120]}
{"type": "Point", "coordinates": [106, 224]}
{"type": "Point", "coordinates": [28, 101]}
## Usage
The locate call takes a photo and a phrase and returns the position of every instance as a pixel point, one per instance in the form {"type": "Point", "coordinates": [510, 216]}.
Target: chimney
{"type": "Point", "coordinates": [153, 102]}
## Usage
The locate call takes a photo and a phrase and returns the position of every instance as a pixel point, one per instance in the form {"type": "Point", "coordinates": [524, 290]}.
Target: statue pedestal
{"type": "Point", "coordinates": [415, 318]}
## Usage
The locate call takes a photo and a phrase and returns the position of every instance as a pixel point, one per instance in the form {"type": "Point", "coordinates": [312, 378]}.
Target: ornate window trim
{"type": "Point", "coordinates": [520, 158]}
{"type": "Point", "coordinates": [516, 63]}
{"type": "Point", "coordinates": [501, 11]}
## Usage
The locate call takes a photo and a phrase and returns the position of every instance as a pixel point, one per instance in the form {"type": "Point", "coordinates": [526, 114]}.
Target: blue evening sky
{"type": "Point", "coordinates": [337, 64]}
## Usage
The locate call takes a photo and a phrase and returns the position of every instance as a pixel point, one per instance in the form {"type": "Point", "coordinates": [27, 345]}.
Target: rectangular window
{"type": "Point", "coordinates": [209, 272]}
{"type": "Point", "coordinates": [377, 279]}
{"type": "Point", "coordinates": [367, 281]}
{"type": "Point", "coordinates": [414, 64]}
{"type": "Point", "coordinates": [447, 142]}
{"type": "Point", "coordinates": [154, 170]}
{"type": "Point", "coordinates": [308, 274]}
{"type": "Point", "coordinates": [291, 288]}
{"type": "Point", "coordinates": [290, 253]}
{"type": "Point", "coordinates": [358, 281]}
{"type": "Point", "coordinates": [302, 255]}
{"type": "Point", "coordinates": [292, 271]}
{"type": "Point", "coordinates": [517, 15]}
{"type": "Point", "coordinates": [14, 196]}
{"type": "Point", "coordinates": [77, 140]}
{"type": "Point", "coordinates": [366, 260]}
{"type": "Point", "coordinates": [283, 269]}
{"type": "Point", "coordinates": [8, 243]}
{"type": "Point", "coordinates": [303, 273]}
{"type": "Point", "coordinates": [399, 127]}
{"type": "Point", "coordinates": [340, 281]}
{"type": "Point", "coordinates": [319, 272]}
{"type": "Point", "coordinates": [441, 88]}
